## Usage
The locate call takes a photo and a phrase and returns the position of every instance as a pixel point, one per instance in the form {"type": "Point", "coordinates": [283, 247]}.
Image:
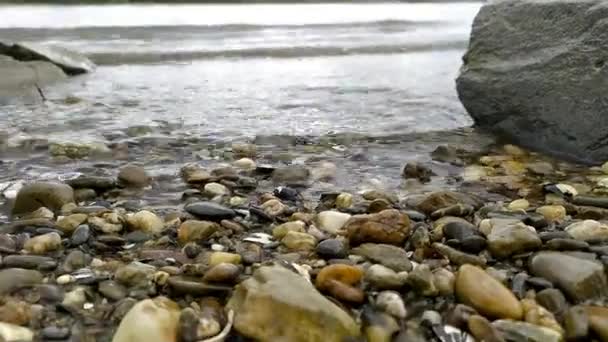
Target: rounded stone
{"type": "Point", "coordinates": [384, 278]}
{"type": "Point", "coordinates": [42, 194]}
{"type": "Point", "coordinates": [332, 221]}
{"type": "Point", "coordinates": [342, 273]}
{"type": "Point", "coordinates": [80, 235]}
{"type": "Point", "coordinates": [133, 176]}
{"type": "Point", "coordinates": [69, 223]}
{"type": "Point", "coordinates": [299, 241]}
{"type": "Point", "coordinates": [244, 164]}
{"type": "Point", "coordinates": [216, 189]}
{"type": "Point", "coordinates": [552, 213]}
{"type": "Point", "coordinates": [217, 258]}
{"type": "Point", "coordinates": [388, 226]}
{"type": "Point", "coordinates": [196, 231]}
{"type": "Point", "coordinates": [222, 273]}
{"type": "Point", "coordinates": [280, 231]}
{"type": "Point", "coordinates": [150, 320]}
{"type": "Point", "coordinates": [331, 249]}
{"type": "Point", "coordinates": [487, 295]}
{"type": "Point", "coordinates": [146, 221]}
{"type": "Point", "coordinates": [391, 303]}
{"type": "Point", "coordinates": [519, 204]}
{"type": "Point", "coordinates": [43, 244]}
{"type": "Point", "coordinates": [588, 230]}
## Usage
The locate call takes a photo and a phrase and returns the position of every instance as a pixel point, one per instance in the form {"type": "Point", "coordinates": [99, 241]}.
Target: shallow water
{"type": "Point", "coordinates": [219, 73]}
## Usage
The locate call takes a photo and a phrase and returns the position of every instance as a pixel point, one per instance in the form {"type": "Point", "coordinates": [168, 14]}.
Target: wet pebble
{"type": "Point", "coordinates": [80, 235]}
{"type": "Point", "coordinates": [55, 333]}
{"type": "Point", "coordinates": [112, 290]}
{"type": "Point", "coordinates": [217, 258]}
{"type": "Point", "coordinates": [331, 249]}
{"type": "Point", "coordinates": [210, 211]}
{"type": "Point", "coordinates": [390, 256]}
{"type": "Point", "coordinates": [383, 278]}
{"type": "Point", "coordinates": [26, 261]}
{"type": "Point", "coordinates": [196, 231]}
{"type": "Point", "coordinates": [43, 244]}
{"type": "Point", "coordinates": [133, 176]}
{"type": "Point", "coordinates": [297, 241]}
{"type": "Point", "coordinates": [332, 221]}
{"type": "Point", "coordinates": [222, 273]}
{"type": "Point", "coordinates": [391, 303]}
{"type": "Point", "coordinates": [12, 279]}
{"type": "Point", "coordinates": [475, 287]}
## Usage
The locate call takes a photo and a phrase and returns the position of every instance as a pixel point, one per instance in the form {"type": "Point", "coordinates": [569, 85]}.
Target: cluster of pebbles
{"type": "Point", "coordinates": [513, 251]}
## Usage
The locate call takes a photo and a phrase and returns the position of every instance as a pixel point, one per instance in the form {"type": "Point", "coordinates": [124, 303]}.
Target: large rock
{"type": "Point", "coordinates": [539, 79]}
{"type": "Point", "coordinates": [42, 194]}
{"type": "Point", "coordinates": [18, 77]}
{"type": "Point", "coordinates": [72, 63]}
{"type": "Point", "coordinates": [579, 278]}
{"type": "Point", "coordinates": [276, 304]}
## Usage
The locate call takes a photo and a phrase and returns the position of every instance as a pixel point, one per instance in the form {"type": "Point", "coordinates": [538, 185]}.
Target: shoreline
{"type": "Point", "coordinates": [382, 262]}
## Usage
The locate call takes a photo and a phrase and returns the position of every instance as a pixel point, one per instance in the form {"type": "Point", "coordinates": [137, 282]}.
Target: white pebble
{"type": "Point", "coordinates": [217, 247]}
{"type": "Point", "coordinates": [65, 279]}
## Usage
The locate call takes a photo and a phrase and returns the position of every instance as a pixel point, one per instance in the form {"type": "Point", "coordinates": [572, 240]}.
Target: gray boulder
{"type": "Point", "coordinates": [72, 63]}
{"type": "Point", "coordinates": [17, 77]}
{"type": "Point", "coordinates": [537, 72]}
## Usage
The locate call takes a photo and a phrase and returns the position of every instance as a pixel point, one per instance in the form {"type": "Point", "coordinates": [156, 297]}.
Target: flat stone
{"type": "Point", "coordinates": [457, 257]}
{"type": "Point", "coordinates": [388, 226]}
{"type": "Point", "coordinates": [275, 298]}
{"type": "Point", "coordinates": [522, 331]}
{"type": "Point", "coordinates": [195, 287]}
{"type": "Point", "coordinates": [506, 240]}
{"type": "Point", "coordinates": [26, 261]}
{"type": "Point", "coordinates": [390, 256]}
{"type": "Point", "coordinates": [12, 279]}
{"type": "Point", "coordinates": [210, 211]}
{"type": "Point", "coordinates": [580, 279]}
{"type": "Point", "coordinates": [588, 230]}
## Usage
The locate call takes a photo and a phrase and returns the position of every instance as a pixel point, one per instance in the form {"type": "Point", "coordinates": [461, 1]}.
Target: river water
{"type": "Point", "coordinates": [187, 76]}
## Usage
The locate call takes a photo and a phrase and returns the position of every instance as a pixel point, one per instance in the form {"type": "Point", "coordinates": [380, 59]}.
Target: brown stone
{"type": "Point", "coordinates": [487, 295]}
{"type": "Point", "coordinates": [388, 226]}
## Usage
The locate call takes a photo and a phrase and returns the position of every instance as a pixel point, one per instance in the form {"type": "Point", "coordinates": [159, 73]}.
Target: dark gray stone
{"type": "Point", "coordinates": [80, 235]}
{"type": "Point", "coordinates": [26, 261]}
{"type": "Point", "coordinates": [55, 333]}
{"type": "Point", "coordinates": [331, 249]}
{"type": "Point", "coordinates": [210, 211]}
{"type": "Point", "coordinates": [535, 71]}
